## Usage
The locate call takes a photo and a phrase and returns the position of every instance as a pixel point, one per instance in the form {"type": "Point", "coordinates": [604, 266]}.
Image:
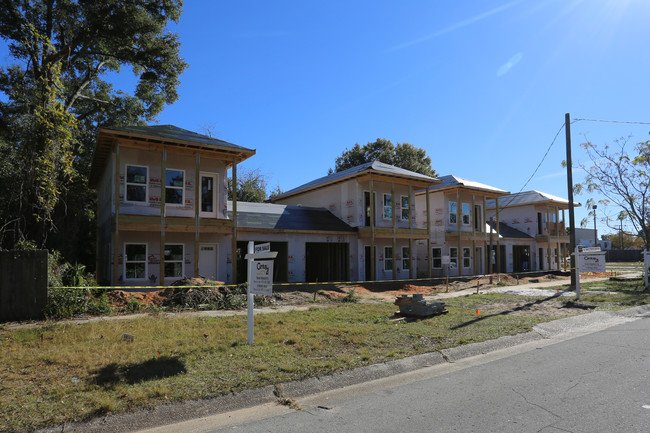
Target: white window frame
{"type": "Point", "coordinates": [126, 260]}
{"type": "Point", "coordinates": [467, 258]}
{"type": "Point", "coordinates": [387, 213]}
{"type": "Point", "coordinates": [181, 261]}
{"type": "Point", "coordinates": [453, 258]}
{"type": "Point", "coordinates": [406, 259]}
{"type": "Point", "coordinates": [388, 259]}
{"type": "Point", "coordinates": [145, 185]}
{"type": "Point", "coordinates": [437, 258]}
{"type": "Point", "coordinates": [215, 195]}
{"type": "Point", "coordinates": [406, 208]}
{"type": "Point", "coordinates": [466, 216]}
{"type": "Point", "coordinates": [182, 188]}
{"type": "Point", "coordinates": [454, 213]}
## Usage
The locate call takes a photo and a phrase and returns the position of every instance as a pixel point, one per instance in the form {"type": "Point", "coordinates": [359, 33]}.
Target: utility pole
{"type": "Point", "coordinates": [569, 177]}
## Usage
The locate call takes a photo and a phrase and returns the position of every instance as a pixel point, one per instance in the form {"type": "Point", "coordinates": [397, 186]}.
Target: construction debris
{"type": "Point", "coordinates": [416, 306]}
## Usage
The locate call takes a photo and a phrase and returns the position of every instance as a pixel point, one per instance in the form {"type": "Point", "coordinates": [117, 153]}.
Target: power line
{"type": "Point", "coordinates": [538, 166]}
{"type": "Point", "coordinates": [611, 121]}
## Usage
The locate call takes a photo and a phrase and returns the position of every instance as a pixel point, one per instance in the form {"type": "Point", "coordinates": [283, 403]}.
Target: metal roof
{"type": "Point", "coordinates": [506, 232]}
{"type": "Point", "coordinates": [451, 181]}
{"type": "Point", "coordinates": [526, 198]}
{"type": "Point", "coordinates": [268, 216]}
{"type": "Point", "coordinates": [359, 170]}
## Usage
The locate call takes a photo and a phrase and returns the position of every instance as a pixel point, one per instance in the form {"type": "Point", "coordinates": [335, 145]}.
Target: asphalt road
{"type": "Point", "coordinates": [581, 377]}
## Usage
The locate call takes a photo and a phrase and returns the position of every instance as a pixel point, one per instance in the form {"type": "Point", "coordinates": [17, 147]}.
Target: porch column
{"type": "Point", "coordinates": [459, 217]}
{"type": "Point", "coordinates": [373, 275]}
{"type": "Point", "coordinates": [473, 252]}
{"type": "Point", "coordinates": [394, 223]}
{"type": "Point", "coordinates": [428, 220]}
{"type": "Point", "coordinates": [548, 239]}
{"type": "Point", "coordinates": [116, 219]}
{"type": "Point", "coordinates": [233, 244]}
{"type": "Point", "coordinates": [163, 198]}
{"type": "Point", "coordinates": [197, 207]}
{"type": "Point", "coordinates": [411, 214]}
{"type": "Point", "coordinates": [485, 244]}
{"type": "Point", "coordinates": [498, 241]}
{"type": "Point", "coordinates": [557, 237]}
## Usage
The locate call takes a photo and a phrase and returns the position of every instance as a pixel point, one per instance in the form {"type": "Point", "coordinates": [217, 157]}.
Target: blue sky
{"type": "Point", "coordinates": [482, 86]}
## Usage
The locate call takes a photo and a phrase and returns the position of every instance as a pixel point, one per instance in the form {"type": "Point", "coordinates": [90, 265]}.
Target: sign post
{"type": "Point", "coordinates": [646, 265]}
{"type": "Point", "coordinates": [260, 277]}
{"type": "Point", "coordinates": [588, 260]}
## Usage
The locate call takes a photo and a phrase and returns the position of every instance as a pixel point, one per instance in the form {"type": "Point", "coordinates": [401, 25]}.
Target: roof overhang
{"type": "Point", "coordinates": [366, 175]}
{"type": "Point", "coordinates": [107, 138]}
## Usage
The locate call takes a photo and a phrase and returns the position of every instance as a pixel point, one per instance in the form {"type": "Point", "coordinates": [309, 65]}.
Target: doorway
{"type": "Point", "coordinates": [208, 255]}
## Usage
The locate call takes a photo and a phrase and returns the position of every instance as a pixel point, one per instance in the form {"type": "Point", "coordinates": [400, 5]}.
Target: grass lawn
{"type": "Point", "coordinates": [61, 372]}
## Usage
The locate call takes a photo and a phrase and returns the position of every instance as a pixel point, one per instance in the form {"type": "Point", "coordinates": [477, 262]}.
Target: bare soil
{"type": "Point", "coordinates": [381, 292]}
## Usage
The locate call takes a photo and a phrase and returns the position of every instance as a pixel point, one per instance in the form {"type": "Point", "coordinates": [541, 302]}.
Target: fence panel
{"type": "Point", "coordinates": [23, 284]}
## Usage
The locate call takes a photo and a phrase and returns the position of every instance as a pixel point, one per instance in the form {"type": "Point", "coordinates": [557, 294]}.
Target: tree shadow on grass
{"type": "Point", "coordinates": [569, 304]}
{"type": "Point", "coordinates": [152, 369]}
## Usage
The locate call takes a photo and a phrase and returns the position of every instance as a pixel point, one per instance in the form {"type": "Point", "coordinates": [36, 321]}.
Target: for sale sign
{"type": "Point", "coordinates": [261, 281]}
{"type": "Point", "coordinates": [591, 261]}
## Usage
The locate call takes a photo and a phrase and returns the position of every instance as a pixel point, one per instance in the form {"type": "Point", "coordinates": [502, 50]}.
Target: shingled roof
{"type": "Point", "coordinates": [526, 198]}
{"type": "Point", "coordinates": [380, 169]}
{"type": "Point", "coordinates": [451, 182]}
{"type": "Point", "coordinates": [506, 232]}
{"type": "Point", "coordinates": [268, 216]}
{"type": "Point", "coordinates": [168, 135]}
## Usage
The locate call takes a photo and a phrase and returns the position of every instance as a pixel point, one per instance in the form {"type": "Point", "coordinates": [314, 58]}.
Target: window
{"type": "Point", "coordinates": [173, 260]}
{"type": "Point", "coordinates": [136, 183]}
{"type": "Point", "coordinates": [209, 195]}
{"type": "Point", "coordinates": [388, 258]}
{"type": "Point", "coordinates": [174, 181]}
{"type": "Point", "coordinates": [135, 261]}
{"type": "Point", "coordinates": [465, 213]}
{"type": "Point", "coordinates": [436, 258]}
{"type": "Point", "coordinates": [453, 258]}
{"type": "Point", "coordinates": [388, 206]}
{"type": "Point", "coordinates": [406, 258]}
{"type": "Point", "coordinates": [467, 257]}
{"type": "Point", "coordinates": [478, 219]}
{"type": "Point", "coordinates": [405, 208]}
{"type": "Point", "coordinates": [453, 212]}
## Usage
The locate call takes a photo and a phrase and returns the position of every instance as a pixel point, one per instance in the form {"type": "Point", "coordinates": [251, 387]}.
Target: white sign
{"type": "Point", "coordinates": [262, 248]}
{"type": "Point", "coordinates": [261, 281]}
{"type": "Point", "coordinates": [445, 260]}
{"type": "Point", "coordinates": [591, 262]}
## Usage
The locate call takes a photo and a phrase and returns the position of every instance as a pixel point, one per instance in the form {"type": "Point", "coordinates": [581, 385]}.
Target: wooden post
{"type": "Point", "coordinates": [498, 243]}
{"type": "Point", "coordinates": [116, 221]}
{"type": "Point", "coordinates": [163, 200]}
{"type": "Point", "coordinates": [459, 217]}
{"type": "Point", "coordinates": [430, 261]}
{"type": "Point", "coordinates": [394, 223]}
{"type": "Point", "coordinates": [411, 207]}
{"type": "Point", "coordinates": [471, 219]}
{"type": "Point", "coordinates": [569, 177]}
{"type": "Point", "coordinates": [197, 212]}
{"type": "Point", "coordinates": [373, 274]}
{"type": "Point", "coordinates": [233, 243]}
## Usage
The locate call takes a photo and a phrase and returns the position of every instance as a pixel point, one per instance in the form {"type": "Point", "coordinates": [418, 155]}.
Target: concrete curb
{"type": "Point", "coordinates": [173, 413]}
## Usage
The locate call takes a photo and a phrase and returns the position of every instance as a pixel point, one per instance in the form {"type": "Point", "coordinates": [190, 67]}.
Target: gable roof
{"type": "Point", "coordinates": [453, 182]}
{"type": "Point", "coordinates": [506, 232]}
{"type": "Point", "coordinates": [527, 198]}
{"type": "Point", "coordinates": [268, 216]}
{"type": "Point", "coordinates": [159, 135]}
{"type": "Point", "coordinates": [380, 170]}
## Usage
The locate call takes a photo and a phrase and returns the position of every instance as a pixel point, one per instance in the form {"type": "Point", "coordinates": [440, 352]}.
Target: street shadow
{"type": "Point", "coordinates": [514, 310]}
{"type": "Point", "coordinates": [152, 369]}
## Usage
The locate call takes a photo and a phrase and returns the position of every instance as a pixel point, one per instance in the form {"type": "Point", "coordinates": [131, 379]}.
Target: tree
{"type": "Point", "coordinates": [58, 93]}
{"type": "Point", "coordinates": [623, 178]}
{"type": "Point", "coordinates": [251, 186]}
{"type": "Point", "coordinates": [404, 155]}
